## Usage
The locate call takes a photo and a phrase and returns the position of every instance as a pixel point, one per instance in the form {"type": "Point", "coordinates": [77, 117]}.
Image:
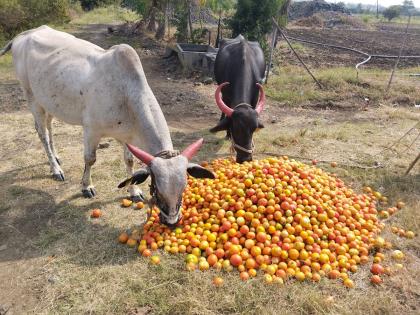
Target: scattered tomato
{"type": "Point", "coordinates": [123, 238]}
{"type": "Point", "coordinates": [96, 213]}
{"type": "Point", "coordinates": [155, 260]}
{"type": "Point", "coordinates": [126, 203]}
{"type": "Point", "coordinates": [217, 281]}
{"type": "Point", "coordinates": [375, 279]}
{"type": "Point", "coordinates": [377, 269]}
{"type": "Point", "coordinates": [131, 242]}
{"type": "Point", "coordinates": [146, 253]}
{"type": "Point", "coordinates": [397, 255]}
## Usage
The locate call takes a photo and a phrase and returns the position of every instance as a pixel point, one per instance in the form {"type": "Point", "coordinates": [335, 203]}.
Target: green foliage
{"type": "Point", "coordinates": [106, 15]}
{"type": "Point", "coordinates": [366, 19]}
{"type": "Point", "coordinates": [253, 18]}
{"type": "Point", "coordinates": [181, 21]}
{"type": "Point", "coordinates": [392, 12]}
{"type": "Point", "coordinates": [217, 5]}
{"type": "Point", "coordinates": [140, 6]}
{"type": "Point", "coordinates": [91, 4]}
{"type": "Point", "coordinates": [18, 15]}
{"type": "Point", "coordinates": [408, 8]}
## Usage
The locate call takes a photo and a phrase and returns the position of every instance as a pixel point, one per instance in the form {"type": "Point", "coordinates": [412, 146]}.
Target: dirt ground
{"type": "Point", "coordinates": [55, 259]}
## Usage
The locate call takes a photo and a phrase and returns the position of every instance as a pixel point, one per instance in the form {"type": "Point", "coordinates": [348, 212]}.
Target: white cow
{"type": "Point", "coordinates": [107, 93]}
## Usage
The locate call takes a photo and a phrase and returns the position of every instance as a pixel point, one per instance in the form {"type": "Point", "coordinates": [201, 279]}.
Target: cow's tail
{"type": "Point", "coordinates": [6, 48]}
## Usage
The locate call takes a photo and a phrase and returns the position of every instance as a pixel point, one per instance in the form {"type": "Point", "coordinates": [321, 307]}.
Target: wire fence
{"type": "Point", "coordinates": [277, 31]}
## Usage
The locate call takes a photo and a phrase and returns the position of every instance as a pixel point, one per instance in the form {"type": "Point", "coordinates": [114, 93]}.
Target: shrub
{"type": "Point", "coordinates": [18, 15]}
{"type": "Point", "coordinates": [392, 12]}
{"type": "Point", "coordinates": [91, 4]}
{"type": "Point", "coordinates": [253, 18]}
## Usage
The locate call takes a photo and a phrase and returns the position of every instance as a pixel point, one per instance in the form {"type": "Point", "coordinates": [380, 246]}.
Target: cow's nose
{"type": "Point", "coordinates": [171, 226]}
{"type": "Point", "coordinates": [241, 159]}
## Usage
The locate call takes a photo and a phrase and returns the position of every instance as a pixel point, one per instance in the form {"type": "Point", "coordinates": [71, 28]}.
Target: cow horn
{"type": "Point", "coordinates": [192, 149]}
{"type": "Point", "coordinates": [143, 156]}
{"type": "Point", "coordinates": [261, 101]}
{"type": "Point", "coordinates": [218, 95]}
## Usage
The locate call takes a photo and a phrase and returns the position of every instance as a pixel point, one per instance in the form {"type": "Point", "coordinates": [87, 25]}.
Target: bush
{"type": "Point", "coordinates": [91, 4]}
{"type": "Point", "coordinates": [253, 18]}
{"type": "Point", "coordinates": [392, 12]}
{"type": "Point", "coordinates": [18, 15]}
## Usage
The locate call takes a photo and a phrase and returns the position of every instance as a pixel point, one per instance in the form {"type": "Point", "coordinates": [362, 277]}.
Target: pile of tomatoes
{"type": "Point", "coordinates": [278, 216]}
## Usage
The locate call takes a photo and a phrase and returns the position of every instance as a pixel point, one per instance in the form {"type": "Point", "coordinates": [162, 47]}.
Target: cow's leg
{"type": "Point", "coordinates": [135, 192]}
{"type": "Point", "coordinates": [50, 137]}
{"type": "Point", "coordinates": [41, 123]}
{"type": "Point", "coordinates": [91, 141]}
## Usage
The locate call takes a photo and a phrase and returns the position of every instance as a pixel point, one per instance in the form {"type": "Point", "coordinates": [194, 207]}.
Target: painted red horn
{"type": "Point", "coordinates": [192, 149]}
{"type": "Point", "coordinates": [261, 101]}
{"type": "Point", "coordinates": [143, 156]}
{"type": "Point", "coordinates": [218, 95]}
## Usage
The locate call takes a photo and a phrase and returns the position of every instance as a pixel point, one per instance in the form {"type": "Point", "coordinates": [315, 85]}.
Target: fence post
{"type": "Point", "coordinates": [296, 54]}
{"type": "Point", "coordinates": [273, 40]}
{"type": "Point", "coordinates": [399, 55]}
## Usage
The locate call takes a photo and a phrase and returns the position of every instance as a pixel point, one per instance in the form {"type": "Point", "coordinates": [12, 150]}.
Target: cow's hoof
{"type": "Point", "coordinates": [59, 177]}
{"type": "Point", "coordinates": [138, 198]}
{"type": "Point", "coordinates": [89, 192]}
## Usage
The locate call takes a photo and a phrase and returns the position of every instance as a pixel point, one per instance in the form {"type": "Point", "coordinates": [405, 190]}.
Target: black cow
{"type": "Point", "coordinates": [239, 69]}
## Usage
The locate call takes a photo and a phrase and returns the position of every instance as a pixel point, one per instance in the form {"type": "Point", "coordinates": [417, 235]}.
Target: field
{"type": "Point", "coordinates": [55, 259]}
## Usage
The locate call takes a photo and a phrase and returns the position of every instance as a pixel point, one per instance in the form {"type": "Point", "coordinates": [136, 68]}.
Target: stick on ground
{"type": "Point", "coordinates": [412, 164]}
{"type": "Point", "coordinates": [296, 54]}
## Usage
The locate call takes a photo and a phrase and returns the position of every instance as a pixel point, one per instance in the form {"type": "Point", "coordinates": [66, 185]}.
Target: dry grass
{"type": "Point", "coordinates": [62, 261]}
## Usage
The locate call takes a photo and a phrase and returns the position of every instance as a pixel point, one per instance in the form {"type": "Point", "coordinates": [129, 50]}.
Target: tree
{"type": "Point", "coordinates": [18, 15]}
{"type": "Point", "coordinates": [392, 12]}
{"type": "Point", "coordinates": [154, 12]}
{"type": "Point", "coordinates": [407, 7]}
{"type": "Point", "coordinates": [219, 7]}
{"type": "Point", "coordinates": [253, 19]}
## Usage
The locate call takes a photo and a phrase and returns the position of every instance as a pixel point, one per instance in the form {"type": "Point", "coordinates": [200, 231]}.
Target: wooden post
{"type": "Point", "coordinates": [296, 54]}
{"type": "Point", "coordinates": [273, 41]}
{"type": "Point", "coordinates": [399, 55]}
{"type": "Point", "coordinates": [412, 164]}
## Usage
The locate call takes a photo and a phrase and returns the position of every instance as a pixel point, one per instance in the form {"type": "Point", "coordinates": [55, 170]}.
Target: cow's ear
{"type": "Point", "coordinates": [198, 171]}
{"type": "Point", "coordinates": [138, 177]}
{"type": "Point", "coordinates": [222, 125]}
{"type": "Point", "coordinates": [260, 125]}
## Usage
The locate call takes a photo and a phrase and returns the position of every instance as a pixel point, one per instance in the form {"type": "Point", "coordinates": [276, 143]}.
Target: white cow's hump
{"type": "Point", "coordinates": [46, 39]}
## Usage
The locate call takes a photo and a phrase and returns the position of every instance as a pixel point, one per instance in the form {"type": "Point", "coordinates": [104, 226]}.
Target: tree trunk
{"type": "Point", "coordinates": [160, 33]}
{"type": "Point", "coordinates": [190, 31]}
{"type": "Point", "coordinates": [218, 29]}
{"type": "Point", "coordinates": [151, 26]}
{"type": "Point", "coordinates": [167, 18]}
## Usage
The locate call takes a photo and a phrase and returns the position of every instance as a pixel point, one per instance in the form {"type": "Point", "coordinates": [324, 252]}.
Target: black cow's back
{"type": "Point", "coordinates": [241, 63]}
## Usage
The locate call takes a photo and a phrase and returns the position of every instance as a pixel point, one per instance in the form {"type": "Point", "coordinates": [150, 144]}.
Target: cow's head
{"type": "Point", "coordinates": [169, 178]}
{"type": "Point", "coordinates": [241, 122]}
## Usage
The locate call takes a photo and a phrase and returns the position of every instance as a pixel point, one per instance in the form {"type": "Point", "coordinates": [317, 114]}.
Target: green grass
{"type": "Point", "coordinates": [106, 15]}
{"type": "Point", "coordinates": [293, 85]}
{"type": "Point", "coordinates": [6, 67]}
{"type": "Point", "coordinates": [401, 19]}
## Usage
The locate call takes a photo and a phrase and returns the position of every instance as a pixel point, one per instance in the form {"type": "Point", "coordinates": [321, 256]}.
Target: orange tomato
{"type": "Point", "coordinates": [96, 213]}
